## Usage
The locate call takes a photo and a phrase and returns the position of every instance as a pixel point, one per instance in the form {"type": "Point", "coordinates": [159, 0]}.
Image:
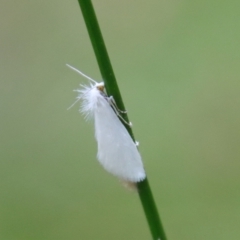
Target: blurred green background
{"type": "Point", "coordinates": [177, 65]}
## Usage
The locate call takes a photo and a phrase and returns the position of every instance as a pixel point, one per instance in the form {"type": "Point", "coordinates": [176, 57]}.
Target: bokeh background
{"type": "Point", "coordinates": [177, 65]}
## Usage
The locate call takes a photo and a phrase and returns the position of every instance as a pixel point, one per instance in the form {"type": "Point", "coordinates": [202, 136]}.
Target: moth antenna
{"type": "Point", "coordinates": [81, 73]}
{"type": "Point", "coordinates": [74, 103]}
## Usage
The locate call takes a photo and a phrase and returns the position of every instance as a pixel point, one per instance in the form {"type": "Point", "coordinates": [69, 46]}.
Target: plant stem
{"type": "Point", "coordinates": [112, 89]}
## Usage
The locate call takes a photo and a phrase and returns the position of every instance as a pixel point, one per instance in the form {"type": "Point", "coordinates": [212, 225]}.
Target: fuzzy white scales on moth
{"type": "Point", "coordinates": [117, 152]}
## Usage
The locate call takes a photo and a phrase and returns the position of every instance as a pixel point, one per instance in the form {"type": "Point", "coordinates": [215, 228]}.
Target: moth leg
{"type": "Point", "coordinates": [114, 103]}
{"type": "Point", "coordinates": [117, 111]}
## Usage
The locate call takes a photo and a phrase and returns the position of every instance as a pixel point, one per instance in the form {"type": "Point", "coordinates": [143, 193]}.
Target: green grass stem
{"type": "Point", "coordinates": [112, 89]}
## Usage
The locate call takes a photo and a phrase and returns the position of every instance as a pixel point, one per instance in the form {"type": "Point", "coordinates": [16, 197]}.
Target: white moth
{"type": "Point", "coordinates": [117, 152]}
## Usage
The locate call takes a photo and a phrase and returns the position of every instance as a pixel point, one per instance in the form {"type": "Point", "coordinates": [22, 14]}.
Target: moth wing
{"type": "Point", "coordinates": [116, 150]}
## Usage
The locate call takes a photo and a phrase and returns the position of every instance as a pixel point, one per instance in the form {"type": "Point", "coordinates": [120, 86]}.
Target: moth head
{"type": "Point", "coordinates": [100, 86]}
